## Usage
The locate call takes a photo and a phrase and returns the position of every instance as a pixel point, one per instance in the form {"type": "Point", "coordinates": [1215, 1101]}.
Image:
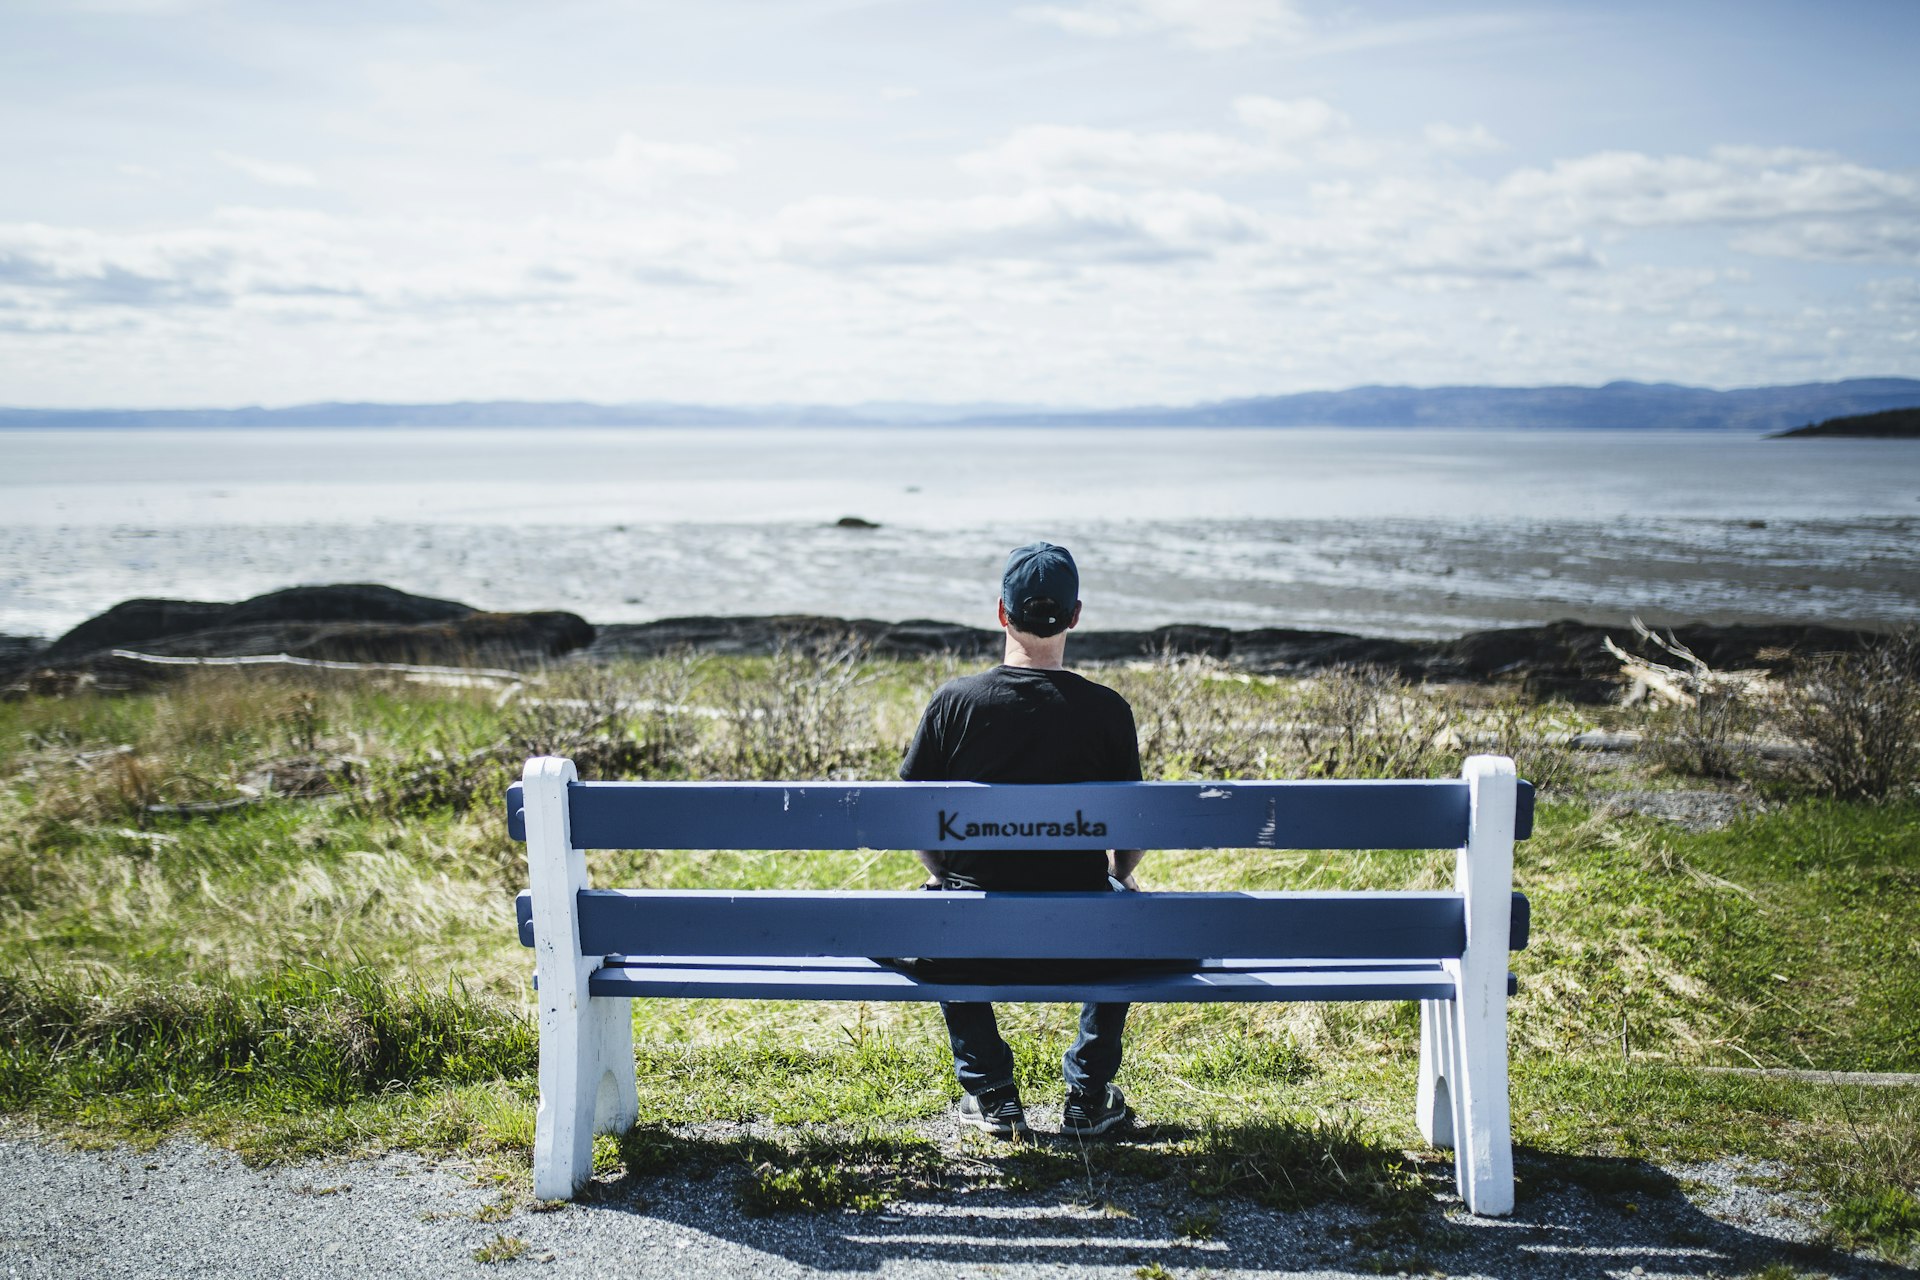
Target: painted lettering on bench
{"type": "Point", "coordinates": [952, 828]}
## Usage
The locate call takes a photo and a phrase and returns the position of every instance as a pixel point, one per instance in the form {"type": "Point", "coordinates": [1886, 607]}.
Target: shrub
{"type": "Point", "coordinates": [807, 716]}
{"type": "Point", "coordinates": [1859, 717]}
{"type": "Point", "coordinates": [1367, 722]}
{"type": "Point", "coordinates": [1195, 720]}
{"type": "Point", "coordinates": [1531, 733]}
{"type": "Point", "coordinates": [1710, 739]}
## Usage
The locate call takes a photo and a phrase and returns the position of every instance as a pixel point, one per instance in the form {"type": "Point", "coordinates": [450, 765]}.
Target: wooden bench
{"type": "Point", "coordinates": [596, 949]}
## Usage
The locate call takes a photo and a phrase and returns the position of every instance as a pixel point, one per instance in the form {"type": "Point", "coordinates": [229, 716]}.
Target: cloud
{"type": "Point", "coordinates": [106, 284]}
{"type": "Point", "coordinates": [1287, 134]}
{"type": "Point", "coordinates": [50, 269]}
{"type": "Point", "coordinates": [1451, 139]}
{"type": "Point", "coordinates": [1048, 225]}
{"type": "Point", "coordinates": [1203, 24]}
{"type": "Point", "coordinates": [1859, 240]}
{"type": "Point", "coordinates": [1290, 122]}
{"type": "Point", "coordinates": [636, 163]}
{"type": "Point", "coordinates": [1895, 293]}
{"type": "Point", "coordinates": [271, 172]}
{"type": "Point", "coordinates": [1053, 153]}
{"type": "Point", "coordinates": [1728, 186]}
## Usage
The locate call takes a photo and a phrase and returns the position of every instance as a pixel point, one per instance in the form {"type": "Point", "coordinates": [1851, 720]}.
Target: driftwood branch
{"type": "Point", "coordinates": [1683, 686]}
{"type": "Point", "coordinates": [457, 676]}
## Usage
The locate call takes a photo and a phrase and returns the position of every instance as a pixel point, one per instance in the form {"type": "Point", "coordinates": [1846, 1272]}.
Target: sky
{"type": "Point", "coordinates": [1045, 202]}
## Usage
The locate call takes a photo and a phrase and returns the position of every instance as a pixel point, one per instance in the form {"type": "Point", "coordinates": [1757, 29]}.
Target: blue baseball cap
{"type": "Point", "coordinates": [1040, 587]}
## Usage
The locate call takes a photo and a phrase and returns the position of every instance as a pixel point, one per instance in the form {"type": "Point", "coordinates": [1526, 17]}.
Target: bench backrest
{"type": "Point", "coordinates": [1382, 925]}
{"type": "Point", "coordinates": [973, 815]}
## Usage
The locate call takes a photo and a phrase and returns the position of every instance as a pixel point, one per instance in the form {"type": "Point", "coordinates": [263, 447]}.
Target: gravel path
{"type": "Point", "coordinates": [186, 1210]}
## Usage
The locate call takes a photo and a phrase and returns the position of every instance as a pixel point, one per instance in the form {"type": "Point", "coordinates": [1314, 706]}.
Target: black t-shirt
{"type": "Point", "coordinates": [1018, 724]}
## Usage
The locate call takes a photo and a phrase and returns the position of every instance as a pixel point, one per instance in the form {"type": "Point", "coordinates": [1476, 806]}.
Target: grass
{"type": "Point", "coordinates": [502, 1248]}
{"type": "Point", "coordinates": [330, 965]}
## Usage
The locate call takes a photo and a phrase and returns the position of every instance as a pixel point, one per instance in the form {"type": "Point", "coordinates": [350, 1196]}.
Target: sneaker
{"type": "Point", "coordinates": [997, 1111]}
{"type": "Point", "coordinates": [1084, 1117]}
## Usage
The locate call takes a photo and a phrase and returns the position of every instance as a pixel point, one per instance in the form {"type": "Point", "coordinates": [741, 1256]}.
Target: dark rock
{"type": "Point", "coordinates": [483, 638]}
{"type": "Point", "coordinates": [854, 522]}
{"type": "Point", "coordinates": [20, 651]}
{"type": "Point", "coordinates": [349, 602]}
{"type": "Point", "coordinates": [1275, 651]}
{"type": "Point", "coordinates": [1564, 648]}
{"type": "Point", "coordinates": [1182, 640]}
{"type": "Point", "coordinates": [133, 623]}
{"type": "Point", "coordinates": [138, 624]}
{"type": "Point", "coordinates": [763, 635]}
{"type": "Point", "coordinates": [921, 637]}
{"type": "Point", "coordinates": [478, 637]}
{"type": "Point", "coordinates": [357, 622]}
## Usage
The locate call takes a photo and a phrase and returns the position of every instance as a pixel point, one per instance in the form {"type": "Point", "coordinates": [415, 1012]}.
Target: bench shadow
{"type": "Point", "coordinates": [1261, 1196]}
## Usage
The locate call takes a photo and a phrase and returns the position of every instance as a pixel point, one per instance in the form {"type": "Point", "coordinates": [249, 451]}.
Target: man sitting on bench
{"type": "Point", "coordinates": [1029, 720]}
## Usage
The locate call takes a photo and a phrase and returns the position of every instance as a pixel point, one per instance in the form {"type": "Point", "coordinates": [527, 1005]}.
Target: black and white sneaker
{"type": "Point", "coordinates": [997, 1111]}
{"type": "Point", "coordinates": [1086, 1116]}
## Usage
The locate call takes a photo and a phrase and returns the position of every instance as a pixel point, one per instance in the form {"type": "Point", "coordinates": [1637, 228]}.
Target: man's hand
{"type": "Point", "coordinates": [935, 866]}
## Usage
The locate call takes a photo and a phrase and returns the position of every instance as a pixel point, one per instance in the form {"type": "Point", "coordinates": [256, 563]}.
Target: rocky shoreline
{"type": "Point", "coordinates": [362, 622]}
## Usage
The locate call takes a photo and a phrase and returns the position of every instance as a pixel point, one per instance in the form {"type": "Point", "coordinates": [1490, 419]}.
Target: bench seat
{"type": "Point", "coordinates": [772, 978]}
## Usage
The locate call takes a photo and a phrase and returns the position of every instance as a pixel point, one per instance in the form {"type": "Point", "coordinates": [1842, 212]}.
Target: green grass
{"type": "Point", "coordinates": [502, 1248]}
{"type": "Point", "coordinates": [308, 975]}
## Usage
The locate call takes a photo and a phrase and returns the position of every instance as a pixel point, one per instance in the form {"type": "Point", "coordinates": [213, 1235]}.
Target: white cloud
{"type": "Point", "coordinates": [1290, 122]}
{"type": "Point", "coordinates": [1203, 24]}
{"type": "Point", "coordinates": [1285, 135]}
{"type": "Point", "coordinates": [271, 172]}
{"type": "Point", "coordinates": [1050, 153]}
{"type": "Point", "coordinates": [1860, 240]}
{"type": "Point", "coordinates": [1895, 293]}
{"type": "Point", "coordinates": [636, 163]}
{"type": "Point", "coordinates": [1451, 139]}
{"type": "Point", "coordinates": [1047, 225]}
{"type": "Point", "coordinates": [1728, 186]}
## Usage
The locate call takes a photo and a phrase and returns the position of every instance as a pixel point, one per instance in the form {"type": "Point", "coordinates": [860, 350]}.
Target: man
{"type": "Point", "coordinates": [1030, 720]}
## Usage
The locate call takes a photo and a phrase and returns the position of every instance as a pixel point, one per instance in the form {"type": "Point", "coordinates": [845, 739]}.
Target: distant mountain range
{"type": "Point", "coordinates": [1615, 406]}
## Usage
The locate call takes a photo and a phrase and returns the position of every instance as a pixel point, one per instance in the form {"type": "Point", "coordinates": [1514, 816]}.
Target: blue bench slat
{"type": "Point", "coordinates": [925, 815]}
{"type": "Point", "coordinates": [1519, 929]}
{"type": "Point", "coordinates": [818, 964]}
{"type": "Point", "coordinates": [1390, 925]}
{"type": "Point", "coordinates": [1407, 982]}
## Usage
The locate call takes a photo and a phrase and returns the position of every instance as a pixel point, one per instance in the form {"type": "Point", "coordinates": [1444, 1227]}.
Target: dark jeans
{"type": "Point", "coordinates": [981, 1059]}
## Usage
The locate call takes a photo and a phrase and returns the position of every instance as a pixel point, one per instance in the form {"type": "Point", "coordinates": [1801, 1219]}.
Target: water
{"type": "Point", "coordinates": [1387, 532]}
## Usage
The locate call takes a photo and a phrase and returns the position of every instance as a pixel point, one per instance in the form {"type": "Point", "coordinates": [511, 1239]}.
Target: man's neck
{"type": "Point", "coordinates": [1035, 652]}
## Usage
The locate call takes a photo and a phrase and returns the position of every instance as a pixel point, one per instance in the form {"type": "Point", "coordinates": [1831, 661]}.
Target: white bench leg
{"type": "Point", "coordinates": [587, 1086]}
{"type": "Point", "coordinates": [1476, 1066]}
{"type": "Point", "coordinates": [587, 1081]}
{"type": "Point", "coordinates": [1483, 1138]}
